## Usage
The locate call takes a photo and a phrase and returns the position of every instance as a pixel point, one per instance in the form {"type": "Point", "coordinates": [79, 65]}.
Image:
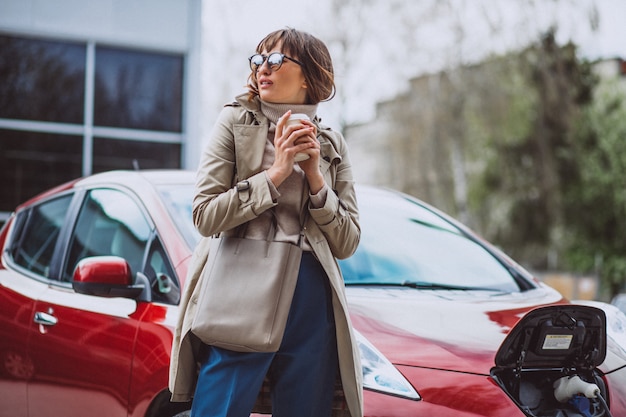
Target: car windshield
{"type": "Point", "coordinates": [402, 244]}
{"type": "Point", "coordinates": [177, 199]}
{"type": "Point", "coordinates": [405, 244]}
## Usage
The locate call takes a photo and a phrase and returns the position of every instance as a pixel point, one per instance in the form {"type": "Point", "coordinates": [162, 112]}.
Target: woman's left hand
{"type": "Point", "coordinates": [311, 166]}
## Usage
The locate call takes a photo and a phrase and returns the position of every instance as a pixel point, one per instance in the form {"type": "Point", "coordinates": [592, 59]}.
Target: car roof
{"type": "Point", "coordinates": [137, 180]}
{"type": "Point", "coordinates": [162, 177]}
{"type": "Point", "coordinates": [156, 177]}
{"type": "Point", "coordinates": [159, 177]}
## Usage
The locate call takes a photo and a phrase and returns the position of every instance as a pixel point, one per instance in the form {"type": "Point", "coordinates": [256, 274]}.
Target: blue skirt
{"type": "Point", "coordinates": [301, 375]}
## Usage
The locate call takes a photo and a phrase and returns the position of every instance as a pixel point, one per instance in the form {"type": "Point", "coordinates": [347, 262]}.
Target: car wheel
{"type": "Point", "coordinates": [184, 414]}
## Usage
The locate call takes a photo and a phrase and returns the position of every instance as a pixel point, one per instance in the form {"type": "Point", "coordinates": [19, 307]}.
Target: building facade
{"type": "Point", "coordinates": [91, 86]}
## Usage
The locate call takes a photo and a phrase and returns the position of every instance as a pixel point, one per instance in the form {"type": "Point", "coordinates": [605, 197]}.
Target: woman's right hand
{"type": "Point", "coordinates": [289, 140]}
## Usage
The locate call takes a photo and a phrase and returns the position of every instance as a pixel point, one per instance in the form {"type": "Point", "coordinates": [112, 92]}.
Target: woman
{"type": "Point", "coordinates": [248, 175]}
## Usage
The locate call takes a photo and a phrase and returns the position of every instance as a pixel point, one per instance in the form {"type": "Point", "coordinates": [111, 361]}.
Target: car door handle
{"type": "Point", "coordinates": [45, 319]}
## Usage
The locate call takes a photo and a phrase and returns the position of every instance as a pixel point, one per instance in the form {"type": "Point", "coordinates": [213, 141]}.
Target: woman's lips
{"type": "Point", "coordinates": [264, 82]}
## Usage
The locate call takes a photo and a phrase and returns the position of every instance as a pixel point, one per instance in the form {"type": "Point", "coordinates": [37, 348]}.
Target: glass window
{"type": "Point", "coordinates": [160, 274]}
{"type": "Point", "coordinates": [33, 162]}
{"type": "Point", "coordinates": [42, 80]}
{"type": "Point", "coordinates": [404, 243]}
{"type": "Point", "coordinates": [36, 234]}
{"type": "Point", "coordinates": [111, 154]}
{"type": "Point", "coordinates": [177, 199]}
{"type": "Point", "coordinates": [109, 223]}
{"type": "Point", "coordinates": [138, 90]}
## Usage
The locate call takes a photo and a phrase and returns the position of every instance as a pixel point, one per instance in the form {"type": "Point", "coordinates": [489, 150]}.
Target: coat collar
{"type": "Point", "coordinates": [250, 138]}
{"type": "Point", "coordinates": [253, 107]}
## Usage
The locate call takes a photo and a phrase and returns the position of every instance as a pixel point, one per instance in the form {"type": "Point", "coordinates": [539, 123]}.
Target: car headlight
{"type": "Point", "coordinates": [379, 374]}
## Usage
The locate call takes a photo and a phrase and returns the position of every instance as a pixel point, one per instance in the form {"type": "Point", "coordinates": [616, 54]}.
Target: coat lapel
{"type": "Point", "coordinates": [249, 148]}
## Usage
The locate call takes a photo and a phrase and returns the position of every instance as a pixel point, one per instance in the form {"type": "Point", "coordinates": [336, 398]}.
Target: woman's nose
{"type": "Point", "coordinates": [264, 67]}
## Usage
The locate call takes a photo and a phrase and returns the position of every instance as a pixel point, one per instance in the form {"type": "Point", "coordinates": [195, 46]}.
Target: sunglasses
{"type": "Point", "coordinates": [274, 61]}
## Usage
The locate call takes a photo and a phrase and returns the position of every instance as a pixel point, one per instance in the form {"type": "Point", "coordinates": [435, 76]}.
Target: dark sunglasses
{"type": "Point", "coordinates": [274, 61]}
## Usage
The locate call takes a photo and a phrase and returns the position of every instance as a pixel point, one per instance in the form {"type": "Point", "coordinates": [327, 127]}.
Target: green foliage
{"type": "Point", "coordinates": [531, 159]}
{"type": "Point", "coordinates": [553, 178]}
{"type": "Point", "coordinates": [597, 204]}
{"type": "Point", "coordinates": [499, 122]}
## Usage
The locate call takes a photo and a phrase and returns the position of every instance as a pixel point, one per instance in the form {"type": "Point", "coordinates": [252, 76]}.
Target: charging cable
{"type": "Point", "coordinates": [567, 387]}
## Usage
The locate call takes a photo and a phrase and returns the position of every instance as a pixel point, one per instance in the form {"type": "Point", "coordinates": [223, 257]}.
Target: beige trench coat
{"type": "Point", "coordinates": [238, 140]}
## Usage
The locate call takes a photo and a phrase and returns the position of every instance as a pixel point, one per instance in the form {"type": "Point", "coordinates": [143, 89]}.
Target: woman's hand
{"type": "Point", "coordinates": [311, 166]}
{"type": "Point", "coordinates": [290, 140]}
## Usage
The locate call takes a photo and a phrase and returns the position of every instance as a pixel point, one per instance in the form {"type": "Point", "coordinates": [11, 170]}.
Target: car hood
{"type": "Point", "coordinates": [450, 330]}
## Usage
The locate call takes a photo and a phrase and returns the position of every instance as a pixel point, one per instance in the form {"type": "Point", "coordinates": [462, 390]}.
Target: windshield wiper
{"type": "Point", "coordinates": [423, 285]}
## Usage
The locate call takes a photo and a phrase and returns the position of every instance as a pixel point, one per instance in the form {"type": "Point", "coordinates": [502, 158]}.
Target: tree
{"type": "Point", "coordinates": [597, 201]}
{"type": "Point", "coordinates": [532, 171]}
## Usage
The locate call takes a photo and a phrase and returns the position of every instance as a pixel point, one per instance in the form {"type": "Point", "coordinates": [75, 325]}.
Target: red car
{"type": "Point", "coordinates": [92, 273]}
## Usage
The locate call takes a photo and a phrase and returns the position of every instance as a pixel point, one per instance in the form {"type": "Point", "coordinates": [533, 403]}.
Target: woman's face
{"type": "Point", "coordinates": [285, 86]}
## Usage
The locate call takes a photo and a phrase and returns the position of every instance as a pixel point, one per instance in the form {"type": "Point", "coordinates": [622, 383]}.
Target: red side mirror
{"type": "Point", "coordinates": [105, 276]}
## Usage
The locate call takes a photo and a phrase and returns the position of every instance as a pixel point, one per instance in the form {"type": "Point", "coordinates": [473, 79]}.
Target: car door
{"type": "Point", "coordinates": [82, 346]}
{"type": "Point", "coordinates": [27, 256]}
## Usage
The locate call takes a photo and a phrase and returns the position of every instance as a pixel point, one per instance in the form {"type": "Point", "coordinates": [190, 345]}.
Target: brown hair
{"type": "Point", "coordinates": [317, 64]}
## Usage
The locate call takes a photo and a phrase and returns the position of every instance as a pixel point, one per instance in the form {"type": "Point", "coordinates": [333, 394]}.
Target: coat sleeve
{"type": "Point", "coordinates": [338, 219]}
{"type": "Point", "coordinates": [218, 205]}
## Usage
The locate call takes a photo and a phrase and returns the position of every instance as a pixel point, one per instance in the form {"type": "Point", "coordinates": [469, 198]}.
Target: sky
{"type": "Point", "coordinates": [610, 40]}
{"type": "Point", "coordinates": [395, 40]}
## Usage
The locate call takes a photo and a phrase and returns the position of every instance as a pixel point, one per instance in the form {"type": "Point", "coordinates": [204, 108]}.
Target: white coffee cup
{"type": "Point", "coordinates": [296, 118]}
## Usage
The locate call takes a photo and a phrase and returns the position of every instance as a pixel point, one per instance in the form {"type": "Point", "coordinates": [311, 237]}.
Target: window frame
{"type": "Point", "coordinates": [87, 130]}
{"type": "Point", "coordinates": [86, 193]}
{"type": "Point", "coordinates": [15, 238]}
{"type": "Point", "coordinates": [60, 255]}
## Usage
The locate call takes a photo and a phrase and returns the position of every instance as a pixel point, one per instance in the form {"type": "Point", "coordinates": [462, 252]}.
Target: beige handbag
{"type": "Point", "coordinates": [245, 295]}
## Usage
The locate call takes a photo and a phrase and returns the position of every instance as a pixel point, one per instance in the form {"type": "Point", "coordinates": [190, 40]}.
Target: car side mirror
{"type": "Point", "coordinates": [105, 276]}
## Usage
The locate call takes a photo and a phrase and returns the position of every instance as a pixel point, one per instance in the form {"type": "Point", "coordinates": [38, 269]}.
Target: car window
{"type": "Point", "coordinates": [36, 233]}
{"type": "Point", "coordinates": [404, 242]}
{"type": "Point", "coordinates": [177, 199]}
{"type": "Point", "coordinates": [109, 223]}
{"type": "Point", "coordinates": [161, 276]}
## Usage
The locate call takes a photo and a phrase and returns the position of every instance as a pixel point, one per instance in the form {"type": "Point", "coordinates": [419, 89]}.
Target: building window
{"type": "Point", "coordinates": [42, 80]}
{"type": "Point", "coordinates": [138, 90]}
{"type": "Point", "coordinates": [69, 109]}
{"type": "Point", "coordinates": [125, 154]}
{"type": "Point", "coordinates": [31, 162]}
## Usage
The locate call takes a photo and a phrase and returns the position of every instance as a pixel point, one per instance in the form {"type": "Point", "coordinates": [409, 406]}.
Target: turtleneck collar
{"type": "Point", "coordinates": [273, 111]}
